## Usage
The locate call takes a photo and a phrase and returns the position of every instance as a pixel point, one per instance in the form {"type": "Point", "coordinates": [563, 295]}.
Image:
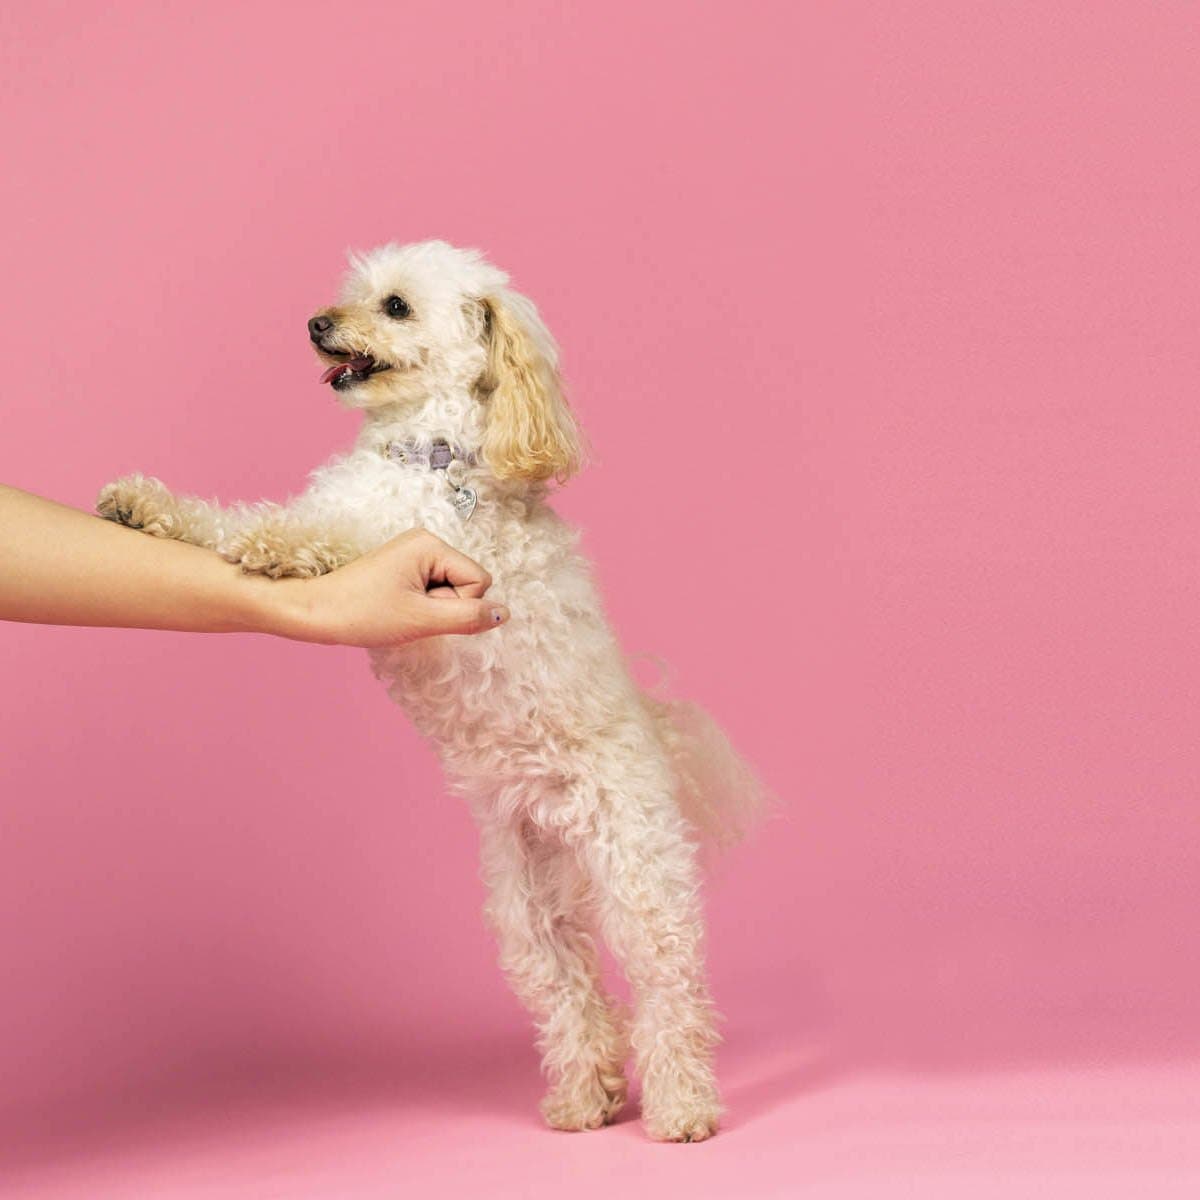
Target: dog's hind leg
{"type": "Point", "coordinates": [643, 870]}
{"type": "Point", "coordinates": [536, 907]}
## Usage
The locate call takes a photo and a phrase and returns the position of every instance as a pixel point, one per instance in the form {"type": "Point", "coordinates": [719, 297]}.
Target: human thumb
{"type": "Point", "coordinates": [454, 614]}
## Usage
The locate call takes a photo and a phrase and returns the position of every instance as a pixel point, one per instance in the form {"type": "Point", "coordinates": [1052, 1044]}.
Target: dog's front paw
{"type": "Point", "coordinates": [141, 503]}
{"type": "Point", "coordinates": [266, 551]}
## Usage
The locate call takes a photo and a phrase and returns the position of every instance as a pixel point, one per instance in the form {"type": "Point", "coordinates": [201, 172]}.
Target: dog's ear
{"type": "Point", "coordinates": [529, 431]}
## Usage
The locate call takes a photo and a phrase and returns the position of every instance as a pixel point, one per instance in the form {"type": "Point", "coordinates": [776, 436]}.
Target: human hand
{"type": "Point", "coordinates": [412, 587]}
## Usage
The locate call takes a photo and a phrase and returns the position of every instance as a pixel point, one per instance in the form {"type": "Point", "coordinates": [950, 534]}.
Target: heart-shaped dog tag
{"type": "Point", "coordinates": [465, 500]}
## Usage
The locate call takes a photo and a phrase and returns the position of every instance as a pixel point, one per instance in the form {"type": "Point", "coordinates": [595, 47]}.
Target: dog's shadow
{"type": "Point", "coordinates": [762, 1076]}
{"type": "Point", "coordinates": [766, 1076]}
{"type": "Point", "coordinates": [497, 1080]}
{"type": "Point", "coordinates": [494, 1079]}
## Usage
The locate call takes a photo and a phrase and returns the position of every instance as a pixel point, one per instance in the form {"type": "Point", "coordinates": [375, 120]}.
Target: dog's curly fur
{"type": "Point", "coordinates": [587, 791]}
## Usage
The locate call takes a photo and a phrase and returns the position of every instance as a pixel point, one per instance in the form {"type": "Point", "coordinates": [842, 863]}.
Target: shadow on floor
{"type": "Point", "coordinates": [763, 1067]}
{"type": "Point", "coordinates": [496, 1078]}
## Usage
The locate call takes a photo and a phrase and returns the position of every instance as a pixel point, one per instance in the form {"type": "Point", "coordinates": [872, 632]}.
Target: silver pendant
{"type": "Point", "coordinates": [465, 500]}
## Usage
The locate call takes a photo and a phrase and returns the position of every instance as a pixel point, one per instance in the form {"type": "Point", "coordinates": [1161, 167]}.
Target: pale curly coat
{"type": "Point", "coordinates": [587, 791]}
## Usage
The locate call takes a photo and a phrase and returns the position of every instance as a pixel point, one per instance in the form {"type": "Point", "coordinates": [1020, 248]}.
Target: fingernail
{"type": "Point", "coordinates": [499, 614]}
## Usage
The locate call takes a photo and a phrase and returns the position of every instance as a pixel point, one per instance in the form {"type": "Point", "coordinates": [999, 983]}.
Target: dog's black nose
{"type": "Point", "coordinates": [317, 326]}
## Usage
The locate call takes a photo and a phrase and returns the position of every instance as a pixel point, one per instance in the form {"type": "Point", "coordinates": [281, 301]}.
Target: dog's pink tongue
{"type": "Point", "coordinates": [352, 366]}
{"type": "Point", "coordinates": [334, 372]}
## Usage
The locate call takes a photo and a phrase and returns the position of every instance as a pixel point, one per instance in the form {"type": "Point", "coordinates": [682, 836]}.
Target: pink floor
{"type": "Point", "coordinates": [800, 1122]}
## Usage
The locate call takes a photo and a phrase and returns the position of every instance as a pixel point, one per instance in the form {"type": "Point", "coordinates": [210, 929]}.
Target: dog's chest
{"type": "Point", "coordinates": [391, 497]}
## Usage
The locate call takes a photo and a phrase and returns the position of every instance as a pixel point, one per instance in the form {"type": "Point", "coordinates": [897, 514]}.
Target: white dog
{"type": "Point", "coordinates": [586, 790]}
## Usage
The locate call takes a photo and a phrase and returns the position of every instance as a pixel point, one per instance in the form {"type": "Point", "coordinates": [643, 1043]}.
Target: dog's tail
{"type": "Point", "coordinates": [718, 791]}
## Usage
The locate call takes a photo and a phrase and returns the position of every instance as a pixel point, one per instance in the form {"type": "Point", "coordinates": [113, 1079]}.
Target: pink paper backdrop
{"type": "Point", "coordinates": [882, 319]}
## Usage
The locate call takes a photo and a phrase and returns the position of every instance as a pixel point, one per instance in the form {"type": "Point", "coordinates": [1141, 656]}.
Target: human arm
{"type": "Point", "coordinates": [59, 566]}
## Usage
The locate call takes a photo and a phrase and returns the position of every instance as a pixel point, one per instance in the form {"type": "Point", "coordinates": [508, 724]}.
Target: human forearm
{"type": "Point", "coordinates": [60, 566]}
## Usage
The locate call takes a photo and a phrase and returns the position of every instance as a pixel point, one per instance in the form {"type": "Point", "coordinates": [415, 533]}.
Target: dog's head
{"type": "Point", "coordinates": [413, 321]}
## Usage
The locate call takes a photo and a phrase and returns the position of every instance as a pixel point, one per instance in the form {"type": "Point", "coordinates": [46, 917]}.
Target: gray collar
{"type": "Point", "coordinates": [437, 455]}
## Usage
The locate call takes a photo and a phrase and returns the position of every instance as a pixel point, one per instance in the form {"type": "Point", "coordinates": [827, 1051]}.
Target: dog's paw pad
{"type": "Point", "coordinates": [112, 506]}
{"type": "Point", "coordinates": [140, 504]}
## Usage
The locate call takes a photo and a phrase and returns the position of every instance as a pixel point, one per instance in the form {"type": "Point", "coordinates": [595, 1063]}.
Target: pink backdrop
{"type": "Point", "coordinates": [882, 320]}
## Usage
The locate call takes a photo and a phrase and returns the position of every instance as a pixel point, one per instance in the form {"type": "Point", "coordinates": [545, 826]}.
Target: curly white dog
{"type": "Point", "coordinates": [587, 791]}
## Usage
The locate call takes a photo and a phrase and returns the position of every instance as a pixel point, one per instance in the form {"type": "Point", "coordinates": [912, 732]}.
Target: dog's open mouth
{"type": "Point", "coordinates": [352, 369]}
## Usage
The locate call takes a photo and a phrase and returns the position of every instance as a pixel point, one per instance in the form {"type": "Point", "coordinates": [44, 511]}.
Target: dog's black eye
{"type": "Point", "coordinates": [396, 306]}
